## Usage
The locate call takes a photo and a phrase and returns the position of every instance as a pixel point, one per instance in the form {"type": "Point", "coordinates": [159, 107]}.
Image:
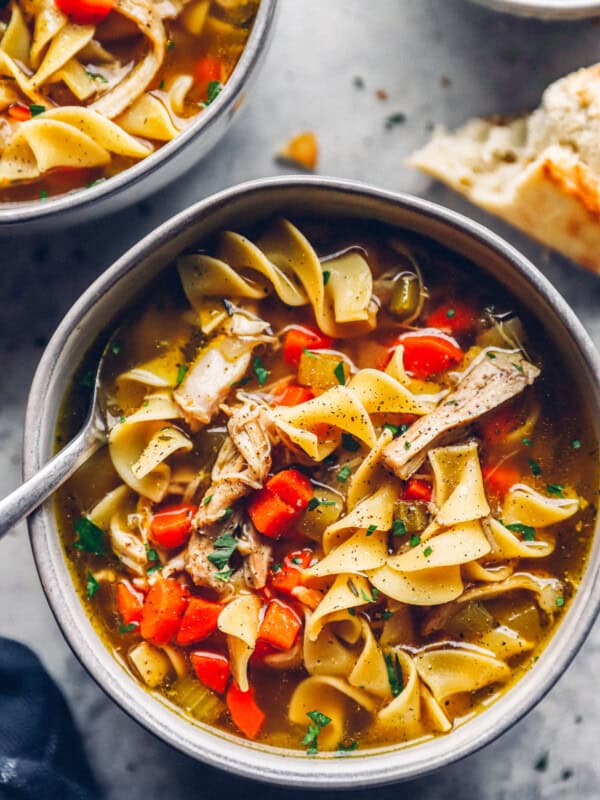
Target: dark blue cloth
{"type": "Point", "coordinates": [41, 756]}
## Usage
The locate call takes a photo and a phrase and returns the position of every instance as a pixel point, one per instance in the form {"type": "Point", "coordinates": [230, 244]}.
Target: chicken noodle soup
{"type": "Point", "coordinates": [344, 499]}
{"type": "Point", "coordinates": [89, 87]}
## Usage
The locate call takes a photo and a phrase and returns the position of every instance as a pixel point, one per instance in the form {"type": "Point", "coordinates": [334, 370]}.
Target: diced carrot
{"type": "Point", "coordinates": [496, 426]}
{"type": "Point", "coordinates": [262, 649]}
{"type": "Point", "coordinates": [416, 489]}
{"type": "Point", "coordinates": [429, 354]}
{"type": "Point", "coordinates": [309, 597]}
{"type": "Point", "coordinates": [270, 514]}
{"type": "Point", "coordinates": [499, 479]}
{"type": "Point", "coordinates": [164, 606]}
{"type": "Point", "coordinates": [85, 12]}
{"type": "Point", "coordinates": [208, 68]}
{"type": "Point", "coordinates": [171, 525]}
{"type": "Point", "coordinates": [302, 149]}
{"type": "Point", "coordinates": [280, 625]}
{"type": "Point", "coordinates": [289, 575]}
{"type": "Point", "coordinates": [199, 620]}
{"type": "Point", "coordinates": [305, 338]}
{"type": "Point", "coordinates": [292, 487]}
{"type": "Point", "coordinates": [293, 395]}
{"type": "Point", "coordinates": [129, 603]}
{"type": "Point", "coordinates": [245, 713]}
{"type": "Point", "coordinates": [19, 112]}
{"type": "Point", "coordinates": [211, 668]}
{"type": "Point", "coordinates": [453, 317]}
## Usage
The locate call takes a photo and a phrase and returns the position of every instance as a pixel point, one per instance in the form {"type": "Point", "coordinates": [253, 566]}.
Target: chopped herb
{"type": "Point", "coordinates": [122, 419]}
{"type": "Point", "coordinates": [226, 514]}
{"type": "Point", "coordinates": [576, 444]}
{"type": "Point", "coordinates": [87, 379]}
{"type": "Point", "coordinates": [91, 537]}
{"type": "Point", "coordinates": [349, 443]}
{"type": "Point", "coordinates": [296, 560]}
{"type": "Point", "coordinates": [352, 586]}
{"type": "Point", "coordinates": [527, 442]}
{"type": "Point", "coordinates": [407, 445]}
{"type": "Point", "coordinates": [415, 539]}
{"type": "Point", "coordinates": [170, 44]}
{"type": "Point", "coordinates": [320, 721]}
{"type": "Point", "coordinates": [161, 85]}
{"type": "Point", "coordinates": [259, 370]}
{"type": "Point", "coordinates": [358, 82]}
{"type": "Point", "coordinates": [343, 474]}
{"type": "Point", "coordinates": [518, 367]}
{"type": "Point", "coordinates": [491, 355]}
{"type": "Point", "coordinates": [451, 313]}
{"type": "Point", "coordinates": [398, 118]}
{"type": "Point", "coordinates": [91, 585]}
{"type": "Point", "coordinates": [330, 459]}
{"type": "Point", "coordinates": [308, 352]}
{"type": "Point", "coordinates": [374, 595]}
{"type": "Point", "coordinates": [396, 429]}
{"type": "Point", "coordinates": [224, 575]}
{"type": "Point", "coordinates": [541, 765]}
{"type": "Point", "coordinates": [116, 347]}
{"type": "Point", "coordinates": [428, 551]}
{"type": "Point", "coordinates": [91, 184]}
{"type": "Point", "coordinates": [43, 194]}
{"type": "Point", "coordinates": [152, 554]}
{"type": "Point", "coordinates": [399, 527]}
{"type": "Point", "coordinates": [564, 775]}
{"type": "Point", "coordinates": [244, 381]}
{"type": "Point", "coordinates": [556, 489]}
{"type": "Point", "coordinates": [207, 500]}
{"type": "Point", "coordinates": [315, 502]}
{"type": "Point", "coordinates": [153, 569]}
{"type": "Point", "coordinates": [560, 601]}
{"type": "Point", "coordinates": [371, 530]}
{"type": "Point", "coordinates": [132, 626]}
{"type": "Point", "coordinates": [326, 276]}
{"type": "Point", "coordinates": [534, 467]}
{"type": "Point", "coordinates": [146, 403]}
{"type": "Point", "coordinates": [339, 373]}
{"type": "Point", "coordinates": [386, 614]}
{"type": "Point", "coordinates": [229, 307]}
{"type": "Point", "coordinates": [352, 612]}
{"type": "Point", "coordinates": [213, 91]}
{"type": "Point", "coordinates": [276, 567]}
{"type": "Point", "coordinates": [394, 673]}
{"type": "Point", "coordinates": [526, 531]}
{"type": "Point", "coordinates": [36, 110]}
{"type": "Point", "coordinates": [181, 373]}
{"type": "Point", "coordinates": [348, 748]}
{"type": "Point", "coordinates": [95, 76]}
{"type": "Point", "coordinates": [224, 547]}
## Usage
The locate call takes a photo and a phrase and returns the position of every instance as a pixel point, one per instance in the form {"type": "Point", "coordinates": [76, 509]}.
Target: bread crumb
{"type": "Point", "coordinates": [381, 94]}
{"type": "Point", "coordinates": [302, 150]}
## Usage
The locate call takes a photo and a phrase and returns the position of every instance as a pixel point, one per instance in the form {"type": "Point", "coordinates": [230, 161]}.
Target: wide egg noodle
{"type": "Point", "coordinates": [458, 491]}
{"type": "Point", "coordinates": [332, 696]}
{"type": "Point", "coordinates": [361, 552]}
{"type": "Point", "coordinates": [523, 504]}
{"type": "Point", "coordinates": [326, 654]}
{"type": "Point", "coordinates": [458, 545]}
{"type": "Point", "coordinates": [49, 21]}
{"type": "Point", "coordinates": [474, 571]}
{"type": "Point", "coordinates": [427, 587]}
{"type": "Point", "coordinates": [375, 511]}
{"type": "Point", "coordinates": [507, 544]}
{"type": "Point", "coordinates": [351, 286]}
{"type": "Point", "coordinates": [449, 671]}
{"type": "Point", "coordinates": [148, 117]}
{"type": "Point", "coordinates": [16, 41]}
{"type": "Point", "coordinates": [369, 474]}
{"type": "Point", "coordinates": [546, 588]}
{"type": "Point", "coordinates": [69, 40]}
{"type": "Point", "coordinates": [239, 620]}
{"type": "Point", "coordinates": [102, 513]}
{"type": "Point", "coordinates": [164, 442]}
{"type": "Point", "coordinates": [76, 78]}
{"type": "Point", "coordinates": [382, 394]}
{"type": "Point", "coordinates": [347, 591]}
{"type": "Point", "coordinates": [370, 670]}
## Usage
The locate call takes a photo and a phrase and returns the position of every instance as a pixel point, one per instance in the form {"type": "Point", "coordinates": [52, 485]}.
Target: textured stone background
{"type": "Point", "coordinates": [439, 61]}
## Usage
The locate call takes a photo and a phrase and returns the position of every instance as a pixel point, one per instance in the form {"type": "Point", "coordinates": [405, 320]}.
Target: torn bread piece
{"type": "Point", "coordinates": [540, 172]}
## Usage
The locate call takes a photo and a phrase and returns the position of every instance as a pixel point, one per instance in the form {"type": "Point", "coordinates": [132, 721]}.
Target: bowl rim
{"type": "Point", "coordinates": [270, 764]}
{"type": "Point", "coordinates": [546, 9]}
{"type": "Point", "coordinates": [20, 213]}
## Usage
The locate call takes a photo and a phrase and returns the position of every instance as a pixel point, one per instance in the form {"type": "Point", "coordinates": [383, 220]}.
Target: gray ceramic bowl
{"type": "Point", "coordinates": [546, 9]}
{"type": "Point", "coordinates": [169, 162]}
{"type": "Point", "coordinates": [116, 288]}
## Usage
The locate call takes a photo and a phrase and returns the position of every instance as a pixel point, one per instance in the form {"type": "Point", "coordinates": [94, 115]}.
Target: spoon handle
{"type": "Point", "coordinates": [33, 492]}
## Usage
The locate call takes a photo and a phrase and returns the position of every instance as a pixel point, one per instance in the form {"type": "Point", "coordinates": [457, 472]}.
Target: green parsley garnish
{"type": "Point", "coordinates": [527, 442]}
{"type": "Point", "coordinates": [398, 118]}
{"type": "Point", "coordinates": [394, 673]}
{"type": "Point", "coordinates": [349, 443]}
{"type": "Point", "coordinates": [576, 444]}
{"type": "Point", "coordinates": [407, 445]}
{"type": "Point", "coordinates": [116, 347]}
{"type": "Point", "coordinates": [358, 82]}
{"type": "Point", "coordinates": [170, 44]}
{"type": "Point", "coordinates": [91, 537]}
{"type": "Point", "coordinates": [224, 575]}
{"type": "Point", "coordinates": [518, 367]}
{"type": "Point", "coordinates": [43, 194]}
{"type": "Point", "coordinates": [326, 276]}
{"type": "Point", "coordinates": [224, 548]}
{"type": "Point", "coordinates": [491, 355]}
{"type": "Point", "coordinates": [296, 560]}
{"type": "Point", "coordinates": [556, 489]}
{"type": "Point", "coordinates": [91, 585]}
{"type": "Point", "coordinates": [181, 373]}
{"type": "Point", "coordinates": [91, 184]}
{"type": "Point", "coordinates": [226, 514]}
{"type": "Point", "coordinates": [450, 313]}
{"type": "Point", "coordinates": [526, 531]}
{"type": "Point", "coordinates": [395, 429]}
{"type": "Point", "coordinates": [315, 502]}
{"type": "Point", "coordinates": [161, 85]}
{"type": "Point", "coordinates": [213, 91]}
{"type": "Point", "coordinates": [534, 467]}
{"type": "Point", "coordinates": [259, 370]}
{"type": "Point", "coordinates": [340, 374]}
{"type": "Point", "coordinates": [207, 500]}
{"type": "Point", "coordinates": [153, 569]}
{"type": "Point", "coordinates": [415, 539]}
{"type": "Point", "coordinates": [386, 614]}
{"type": "Point", "coordinates": [560, 601]}
{"type": "Point", "coordinates": [319, 721]}
{"type": "Point", "coordinates": [122, 419]}
{"type": "Point", "coordinates": [87, 379]}
{"type": "Point", "coordinates": [343, 474]}
{"type": "Point", "coordinates": [276, 567]}
{"type": "Point", "coordinates": [371, 530]}
{"type": "Point", "coordinates": [152, 554]}
{"type": "Point", "coordinates": [36, 110]}
{"type": "Point", "coordinates": [132, 626]}
{"type": "Point", "coordinates": [428, 551]}
{"type": "Point", "coordinates": [348, 748]}
{"type": "Point", "coordinates": [541, 765]}
{"type": "Point", "coordinates": [374, 595]}
{"type": "Point", "coordinates": [399, 527]}
{"type": "Point", "coordinates": [95, 76]}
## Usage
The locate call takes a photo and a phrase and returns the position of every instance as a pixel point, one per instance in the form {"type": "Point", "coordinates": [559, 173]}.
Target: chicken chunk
{"type": "Point", "coordinates": [490, 381]}
{"type": "Point", "coordinates": [257, 557]}
{"type": "Point", "coordinates": [199, 568]}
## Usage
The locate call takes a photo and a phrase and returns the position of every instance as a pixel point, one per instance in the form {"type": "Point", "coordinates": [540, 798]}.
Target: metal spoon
{"type": "Point", "coordinates": [33, 492]}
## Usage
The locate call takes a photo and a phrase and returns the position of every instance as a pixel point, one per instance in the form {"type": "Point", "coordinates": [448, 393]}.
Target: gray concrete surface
{"type": "Point", "coordinates": [438, 60]}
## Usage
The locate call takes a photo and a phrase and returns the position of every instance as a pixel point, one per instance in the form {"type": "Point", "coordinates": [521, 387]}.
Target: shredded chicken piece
{"type": "Point", "coordinates": [485, 385]}
{"type": "Point", "coordinates": [200, 569]}
{"type": "Point", "coordinates": [128, 547]}
{"type": "Point", "coordinates": [257, 557]}
{"type": "Point", "coordinates": [243, 463]}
